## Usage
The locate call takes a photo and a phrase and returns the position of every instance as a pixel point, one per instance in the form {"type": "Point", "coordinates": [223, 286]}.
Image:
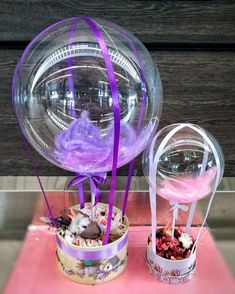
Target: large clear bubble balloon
{"type": "Point", "coordinates": [181, 163]}
{"type": "Point", "coordinates": [64, 101]}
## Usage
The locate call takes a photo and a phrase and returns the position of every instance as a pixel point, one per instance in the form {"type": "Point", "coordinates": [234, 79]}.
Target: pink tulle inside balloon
{"type": "Point", "coordinates": [187, 189]}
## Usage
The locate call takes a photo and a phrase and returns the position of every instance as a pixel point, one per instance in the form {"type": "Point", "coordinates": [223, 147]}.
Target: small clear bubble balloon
{"type": "Point", "coordinates": [63, 91]}
{"type": "Point", "coordinates": [184, 163]}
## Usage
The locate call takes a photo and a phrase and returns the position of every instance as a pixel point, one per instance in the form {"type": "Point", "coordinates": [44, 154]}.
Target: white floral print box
{"type": "Point", "coordinates": [93, 265]}
{"type": "Point", "coordinates": [171, 271]}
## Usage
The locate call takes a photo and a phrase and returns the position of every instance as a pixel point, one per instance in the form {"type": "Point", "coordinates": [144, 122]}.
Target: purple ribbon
{"type": "Point", "coordinates": [71, 90]}
{"type": "Point", "coordinates": [99, 253]}
{"type": "Point", "coordinates": [142, 109]}
{"type": "Point", "coordinates": [116, 111]}
{"type": "Point", "coordinates": [70, 63]}
{"type": "Point", "coordinates": [95, 180]}
{"type": "Point", "coordinates": [25, 142]}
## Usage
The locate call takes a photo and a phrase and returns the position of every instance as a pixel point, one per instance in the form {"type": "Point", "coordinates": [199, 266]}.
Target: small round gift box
{"type": "Point", "coordinates": [171, 271]}
{"type": "Point", "coordinates": [93, 265]}
{"type": "Point", "coordinates": [182, 165]}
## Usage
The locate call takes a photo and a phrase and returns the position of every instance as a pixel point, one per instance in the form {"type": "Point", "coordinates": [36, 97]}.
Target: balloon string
{"type": "Point", "coordinates": [153, 163]}
{"type": "Point", "coordinates": [217, 181]}
{"type": "Point", "coordinates": [28, 151]}
{"type": "Point", "coordinates": [93, 199]}
{"type": "Point", "coordinates": [128, 185]}
{"type": "Point", "coordinates": [70, 64]}
{"type": "Point", "coordinates": [194, 204]}
{"type": "Point", "coordinates": [153, 207]}
{"type": "Point", "coordinates": [35, 170]}
{"type": "Point", "coordinates": [71, 90]}
{"type": "Point", "coordinates": [115, 96]}
{"type": "Point", "coordinates": [190, 216]}
{"type": "Point", "coordinates": [25, 142]}
{"type": "Point", "coordinates": [173, 225]}
{"type": "Point", "coordinates": [152, 196]}
{"type": "Point", "coordinates": [141, 114]}
{"type": "Point", "coordinates": [175, 207]}
{"type": "Point", "coordinates": [81, 195]}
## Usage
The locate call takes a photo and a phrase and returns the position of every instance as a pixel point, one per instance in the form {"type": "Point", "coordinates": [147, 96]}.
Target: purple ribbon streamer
{"type": "Point", "coordinates": [142, 109]}
{"type": "Point", "coordinates": [100, 253]}
{"type": "Point", "coordinates": [95, 180]}
{"type": "Point", "coordinates": [25, 142]}
{"type": "Point", "coordinates": [71, 90]}
{"type": "Point", "coordinates": [114, 90]}
{"type": "Point", "coordinates": [81, 195]}
{"type": "Point", "coordinates": [70, 62]}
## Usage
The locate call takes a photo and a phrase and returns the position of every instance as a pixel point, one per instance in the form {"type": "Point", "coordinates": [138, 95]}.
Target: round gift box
{"type": "Point", "coordinates": [93, 265]}
{"type": "Point", "coordinates": [171, 271]}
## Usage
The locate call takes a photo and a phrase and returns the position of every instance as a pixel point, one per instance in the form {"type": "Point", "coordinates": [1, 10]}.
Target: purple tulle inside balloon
{"type": "Point", "coordinates": [85, 148]}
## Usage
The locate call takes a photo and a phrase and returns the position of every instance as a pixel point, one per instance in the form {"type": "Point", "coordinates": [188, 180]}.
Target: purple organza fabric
{"type": "Point", "coordinates": [83, 148]}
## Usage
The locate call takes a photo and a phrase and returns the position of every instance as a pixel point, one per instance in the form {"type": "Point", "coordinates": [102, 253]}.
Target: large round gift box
{"type": "Point", "coordinates": [93, 265]}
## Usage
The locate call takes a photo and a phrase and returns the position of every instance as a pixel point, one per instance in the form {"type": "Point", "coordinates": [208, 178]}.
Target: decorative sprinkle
{"type": "Point", "coordinates": [45, 220]}
{"type": "Point", "coordinates": [186, 240]}
{"type": "Point", "coordinates": [176, 248]}
{"type": "Point", "coordinates": [81, 231]}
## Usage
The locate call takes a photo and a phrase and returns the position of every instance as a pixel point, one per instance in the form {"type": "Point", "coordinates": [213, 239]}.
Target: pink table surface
{"type": "Point", "coordinates": [35, 271]}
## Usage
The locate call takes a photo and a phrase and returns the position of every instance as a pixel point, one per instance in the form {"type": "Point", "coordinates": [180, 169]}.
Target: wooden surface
{"type": "Point", "coordinates": [192, 42]}
{"type": "Point", "coordinates": [151, 21]}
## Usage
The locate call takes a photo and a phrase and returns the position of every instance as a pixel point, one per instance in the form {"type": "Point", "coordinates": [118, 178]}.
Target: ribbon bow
{"type": "Point", "coordinates": [95, 180]}
{"type": "Point", "coordinates": [175, 206]}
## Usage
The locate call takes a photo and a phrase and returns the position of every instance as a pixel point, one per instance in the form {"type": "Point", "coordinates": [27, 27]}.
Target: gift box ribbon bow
{"type": "Point", "coordinates": [95, 180]}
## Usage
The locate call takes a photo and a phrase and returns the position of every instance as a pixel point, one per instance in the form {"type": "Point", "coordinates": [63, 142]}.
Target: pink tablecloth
{"type": "Point", "coordinates": [35, 271]}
